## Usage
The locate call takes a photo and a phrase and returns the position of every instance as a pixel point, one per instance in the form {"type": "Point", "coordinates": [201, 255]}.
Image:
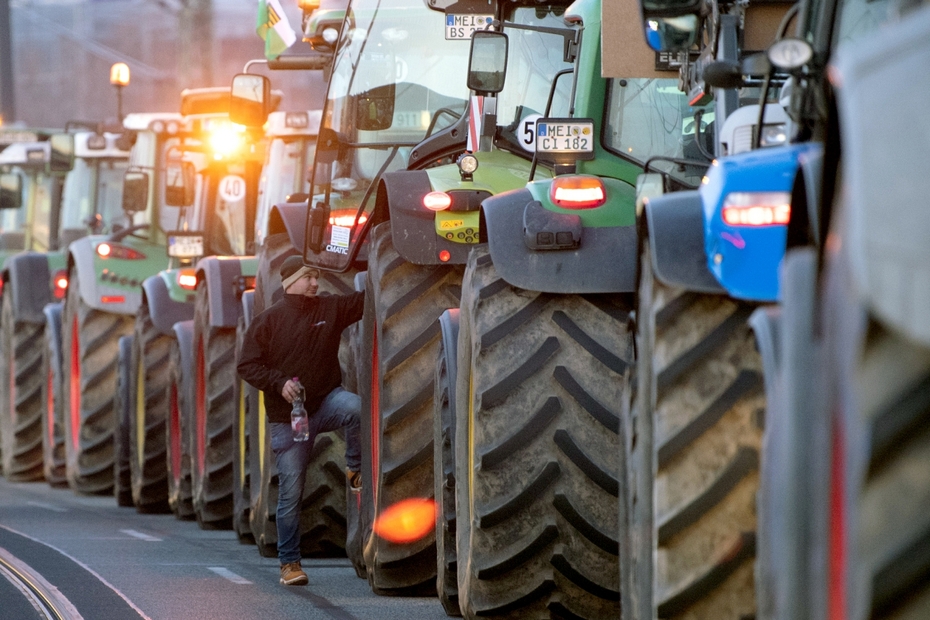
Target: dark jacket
{"type": "Point", "coordinates": [297, 337]}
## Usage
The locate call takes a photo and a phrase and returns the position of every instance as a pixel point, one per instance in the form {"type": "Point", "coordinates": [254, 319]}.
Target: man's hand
{"type": "Point", "coordinates": [291, 390]}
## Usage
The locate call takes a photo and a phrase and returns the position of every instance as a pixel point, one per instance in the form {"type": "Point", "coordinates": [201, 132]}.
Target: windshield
{"type": "Point", "coordinates": [395, 77]}
{"type": "Point", "coordinates": [286, 171]}
{"type": "Point", "coordinates": [94, 186]}
{"type": "Point", "coordinates": [857, 18]}
{"type": "Point", "coordinates": [651, 117]}
{"type": "Point", "coordinates": [533, 60]}
{"type": "Point", "coordinates": [12, 220]}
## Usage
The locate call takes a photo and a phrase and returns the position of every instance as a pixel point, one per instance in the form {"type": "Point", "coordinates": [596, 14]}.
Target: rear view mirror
{"type": "Point", "coordinates": [11, 191]}
{"type": "Point", "coordinates": [61, 158]}
{"type": "Point", "coordinates": [250, 100]}
{"type": "Point", "coordinates": [135, 191]}
{"type": "Point", "coordinates": [671, 34]}
{"type": "Point", "coordinates": [180, 183]}
{"type": "Point", "coordinates": [487, 64]}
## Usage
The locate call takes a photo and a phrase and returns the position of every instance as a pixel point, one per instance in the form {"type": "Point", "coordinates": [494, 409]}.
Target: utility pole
{"type": "Point", "coordinates": [7, 102]}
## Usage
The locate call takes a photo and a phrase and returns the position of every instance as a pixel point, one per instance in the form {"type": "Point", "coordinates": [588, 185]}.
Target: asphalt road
{"type": "Point", "coordinates": [112, 562]}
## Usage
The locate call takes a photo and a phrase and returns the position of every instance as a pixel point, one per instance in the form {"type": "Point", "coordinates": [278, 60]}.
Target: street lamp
{"type": "Point", "coordinates": [119, 77]}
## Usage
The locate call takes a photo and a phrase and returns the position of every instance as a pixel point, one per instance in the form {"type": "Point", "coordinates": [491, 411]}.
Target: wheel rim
{"type": "Point", "coordinates": [75, 387]}
{"type": "Point", "coordinates": [50, 409]}
{"type": "Point", "coordinates": [175, 439]}
{"type": "Point", "coordinates": [241, 433]}
{"type": "Point", "coordinates": [201, 409]}
{"type": "Point", "coordinates": [12, 390]}
{"type": "Point", "coordinates": [837, 572]}
{"type": "Point", "coordinates": [375, 413]}
{"type": "Point", "coordinates": [140, 413]}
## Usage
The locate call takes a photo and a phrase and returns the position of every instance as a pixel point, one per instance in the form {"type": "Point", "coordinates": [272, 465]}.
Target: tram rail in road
{"type": "Point", "coordinates": [44, 597]}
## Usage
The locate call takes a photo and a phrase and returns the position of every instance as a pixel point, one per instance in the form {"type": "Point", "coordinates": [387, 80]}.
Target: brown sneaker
{"type": "Point", "coordinates": [355, 479]}
{"type": "Point", "coordinates": [292, 575]}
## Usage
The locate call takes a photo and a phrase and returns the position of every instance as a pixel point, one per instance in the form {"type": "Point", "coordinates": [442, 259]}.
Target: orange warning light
{"type": "Point", "coordinates": [407, 521]}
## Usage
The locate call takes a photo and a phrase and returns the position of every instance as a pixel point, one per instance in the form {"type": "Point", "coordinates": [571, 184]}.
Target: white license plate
{"type": "Point", "coordinates": [461, 26]}
{"type": "Point", "coordinates": [564, 137]}
{"type": "Point", "coordinates": [185, 246]}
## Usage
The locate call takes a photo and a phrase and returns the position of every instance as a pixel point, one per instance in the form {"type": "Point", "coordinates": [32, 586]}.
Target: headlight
{"type": "Point", "coordinates": [467, 163]}
{"type": "Point", "coordinates": [774, 135]}
{"type": "Point", "coordinates": [330, 35]}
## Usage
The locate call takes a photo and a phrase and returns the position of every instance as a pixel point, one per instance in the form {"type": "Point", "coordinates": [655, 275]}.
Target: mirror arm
{"type": "Point", "coordinates": [125, 232]}
{"type": "Point", "coordinates": [570, 36]}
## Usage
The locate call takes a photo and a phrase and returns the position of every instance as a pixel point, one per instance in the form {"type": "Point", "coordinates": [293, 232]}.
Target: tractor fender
{"type": "Point", "coordinates": [163, 310]}
{"type": "Point", "coordinates": [676, 239]}
{"type": "Point", "coordinates": [184, 332]}
{"type": "Point", "coordinates": [52, 315]}
{"type": "Point", "coordinates": [604, 261]}
{"type": "Point", "coordinates": [81, 260]}
{"type": "Point", "coordinates": [23, 277]}
{"type": "Point", "coordinates": [413, 227]}
{"type": "Point", "coordinates": [290, 218]}
{"type": "Point", "coordinates": [765, 322]}
{"type": "Point", "coordinates": [810, 177]}
{"type": "Point", "coordinates": [449, 327]}
{"type": "Point", "coordinates": [248, 307]}
{"type": "Point", "coordinates": [359, 281]}
{"type": "Point", "coordinates": [220, 275]}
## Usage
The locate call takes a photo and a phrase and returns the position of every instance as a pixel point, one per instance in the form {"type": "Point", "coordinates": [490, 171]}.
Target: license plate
{"type": "Point", "coordinates": [185, 246]}
{"type": "Point", "coordinates": [461, 26]}
{"type": "Point", "coordinates": [564, 136]}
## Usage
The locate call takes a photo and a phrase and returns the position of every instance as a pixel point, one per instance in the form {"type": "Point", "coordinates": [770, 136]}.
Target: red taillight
{"type": "Point", "coordinates": [108, 249]}
{"type": "Point", "coordinates": [112, 299]}
{"type": "Point", "coordinates": [574, 192]}
{"type": "Point", "coordinates": [757, 208]}
{"type": "Point", "coordinates": [347, 220]}
{"type": "Point", "coordinates": [437, 201]}
{"type": "Point", "coordinates": [187, 279]}
{"type": "Point", "coordinates": [60, 283]}
{"type": "Point", "coordinates": [445, 256]}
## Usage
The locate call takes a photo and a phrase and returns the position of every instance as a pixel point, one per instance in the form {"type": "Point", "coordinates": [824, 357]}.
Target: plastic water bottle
{"type": "Point", "coordinates": [300, 423]}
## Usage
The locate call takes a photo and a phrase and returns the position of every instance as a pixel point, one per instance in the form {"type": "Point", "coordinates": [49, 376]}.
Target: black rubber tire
{"type": "Point", "coordinates": [90, 348]}
{"type": "Point", "coordinates": [323, 508]}
{"type": "Point", "coordinates": [148, 410]}
{"type": "Point", "coordinates": [447, 587]}
{"type": "Point", "coordinates": [122, 474]}
{"type": "Point", "coordinates": [881, 455]}
{"type": "Point", "coordinates": [241, 455]}
{"type": "Point", "coordinates": [540, 379]}
{"type": "Point", "coordinates": [400, 339]}
{"type": "Point", "coordinates": [53, 437]}
{"type": "Point", "coordinates": [21, 406]}
{"type": "Point", "coordinates": [179, 394]}
{"type": "Point", "coordinates": [211, 435]}
{"type": "Point", "coordinates": [699, 381]}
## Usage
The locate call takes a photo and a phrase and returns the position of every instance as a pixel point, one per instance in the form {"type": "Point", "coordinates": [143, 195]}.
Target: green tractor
{"type": "Point", "coordinates": [88, 200]}
{"type": "Point", "coordinates": [213, 178]}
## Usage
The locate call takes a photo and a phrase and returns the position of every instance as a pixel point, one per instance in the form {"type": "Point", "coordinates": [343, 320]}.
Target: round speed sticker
{"type": "Point", "coordinates": [232, 188]}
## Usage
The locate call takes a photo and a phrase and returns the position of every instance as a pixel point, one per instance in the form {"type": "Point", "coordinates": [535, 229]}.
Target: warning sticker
{"type": "Point", "coordinates": [340, 236]}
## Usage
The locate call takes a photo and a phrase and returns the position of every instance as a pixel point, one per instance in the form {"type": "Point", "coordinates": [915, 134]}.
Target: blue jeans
{"type": "Point", "coordinates": [339, 409]}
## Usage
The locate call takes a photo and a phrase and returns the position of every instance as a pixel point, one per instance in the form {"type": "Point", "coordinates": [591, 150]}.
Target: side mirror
{"type": "Point", "coordinates": [135, 191]}
{"type": "Point", "coordinates": [61, 158]}
{"type": "Point", "coordinates": [487, 64]}
{"type": "Point", "coordinates": [671, 34]}
{"type": "Point", "coordinates": [375, 108]}
{"type": "Point", "coordinates": [11, 191]}
{"type": "Point", "coordinates": [180, 183]}
{"type": "Point", "coordinates": [250, 99]}
{"type": "Point", "coordinates": [317, 221]}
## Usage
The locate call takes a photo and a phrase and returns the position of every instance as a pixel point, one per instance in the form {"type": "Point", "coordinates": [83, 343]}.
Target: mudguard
{"type": "Point", "coordinates": [164, 311]}
{"type": "Point", "coordinates": [248, 306]}
{"type": "Point", "coordinates": [184, 332]}
{"type": "Point", "coordinates": [359, 281]}
{"type": "Point", "coordinates": [676, 235]}
{"type": "Point", "coordinates": [413, 227]}
{"type": "Point", "coordinates": [52, 315]}
{"type": "Point", "coordinates": [81, 259]}
{"type": "Point", "coordinates": [449, 327]}
{"type": "Point", "coordinates": [23, 276]}
{"type": "Point", "coordinates": [604, 262]}
{"type": "Point", "coordinates": [290, 218]}
{"type": "Point", "coordinates": [221, 274]}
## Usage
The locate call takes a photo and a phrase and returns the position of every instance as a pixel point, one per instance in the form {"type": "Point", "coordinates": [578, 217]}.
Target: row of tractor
{"type": "Point", "coordinates": [649, 344]}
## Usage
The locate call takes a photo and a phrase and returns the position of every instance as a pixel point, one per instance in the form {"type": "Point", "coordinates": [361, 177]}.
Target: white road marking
{"type": "Point", "coordinates": [141, 536]}
{"type": "Point", "coordinates": [228, 574]}
{"type": "Point", "coordinates": [51, 507]}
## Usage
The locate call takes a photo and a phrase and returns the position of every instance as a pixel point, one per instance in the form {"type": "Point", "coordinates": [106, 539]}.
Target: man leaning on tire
{"type": "Point", "coordinates": [298, 338]}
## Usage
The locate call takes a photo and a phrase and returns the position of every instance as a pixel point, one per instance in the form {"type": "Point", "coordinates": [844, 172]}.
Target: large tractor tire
{"type": "Point", "coordinates": [53, 437]}
{"type": "Point", "coordinates": [241, 453]}
{"type": "Point", "coordinates": [90, 339]}
{"type": "Point", "coordinates": [179, 392]}
{"type": "Point", "coordinates": [21, 406]}
{"type": "Point", "coordinates": [148, 411]}
{"type": "Point", "coordinates": [540, 380]}
{"type": "Point", "coordinates": [879, 526]}
{"type": "Point", "coordinates": [444, 464]}
{"type": "Point", "coordinates": [400, 338]}
{"type": "Point", "coordinates": [122, 474]}
{"type": "Point", "coordinates": [699, 382]}
{"type": "Point", "coordinates": [211, 439]}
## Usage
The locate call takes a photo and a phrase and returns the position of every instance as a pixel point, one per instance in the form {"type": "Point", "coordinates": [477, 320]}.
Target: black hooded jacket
{"type": "Point", "coordinates": [297, 337]}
